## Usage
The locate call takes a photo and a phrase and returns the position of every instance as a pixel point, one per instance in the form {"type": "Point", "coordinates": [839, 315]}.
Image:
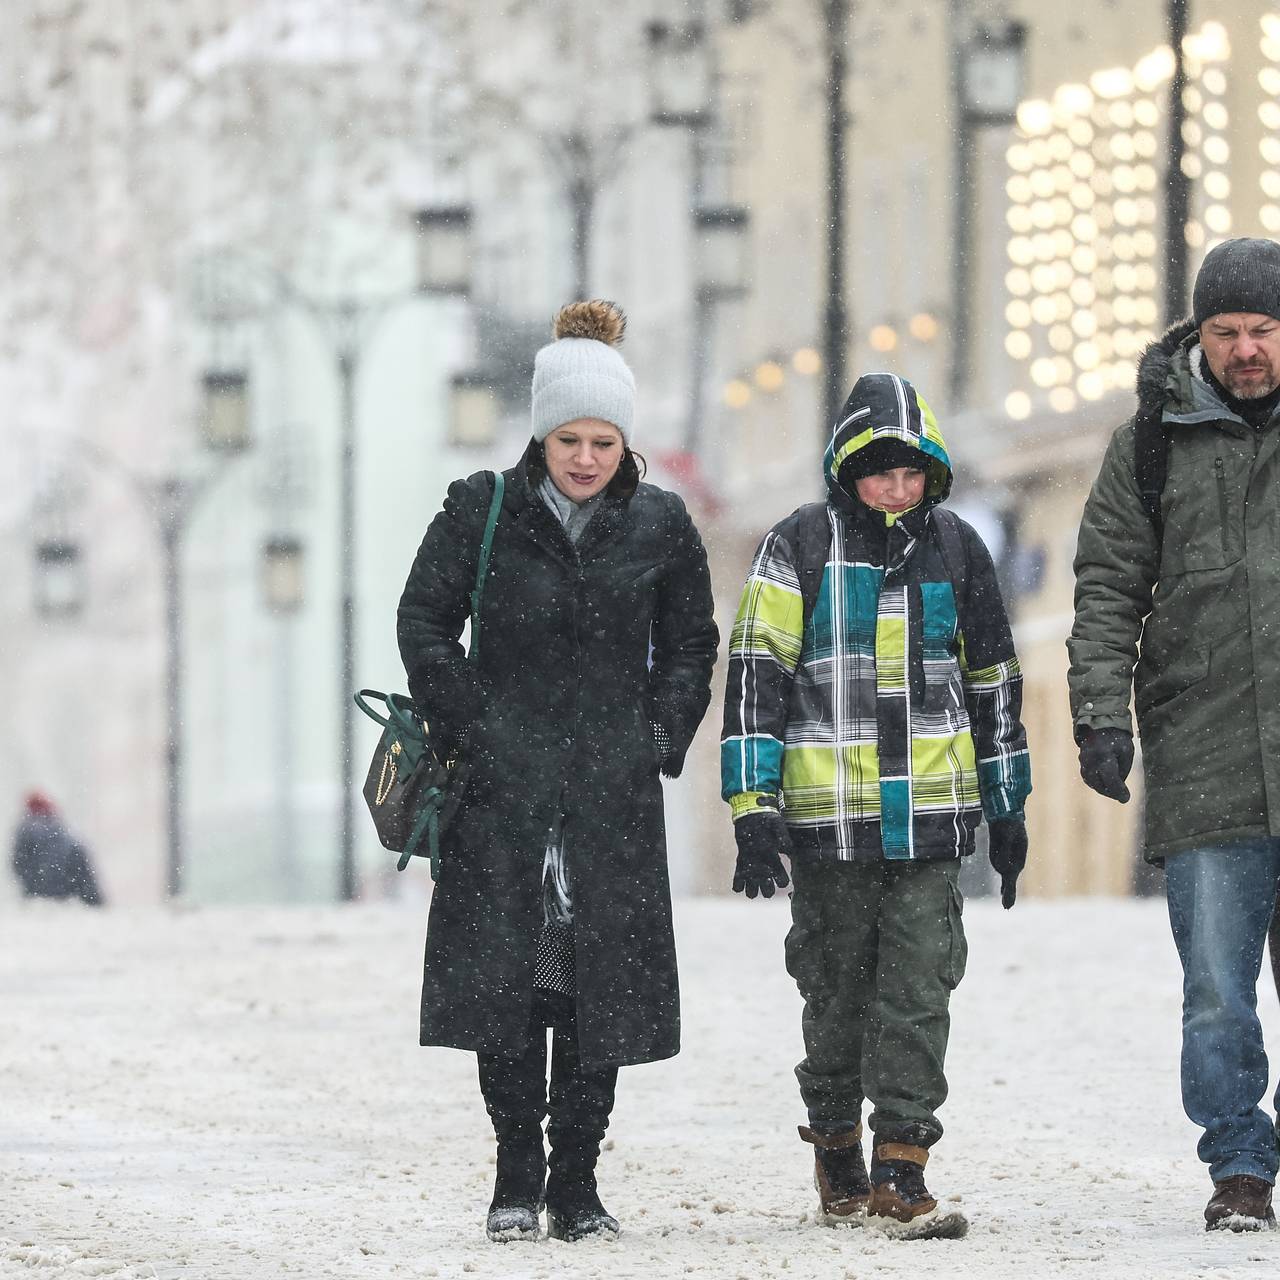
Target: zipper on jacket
{"type": "Point", "coordinates": [1220, 471]}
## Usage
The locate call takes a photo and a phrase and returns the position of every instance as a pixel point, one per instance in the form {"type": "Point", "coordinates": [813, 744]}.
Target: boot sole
{"type": "Point", "coordinates": [516, 1232]}
{"type": "Point", "coordinates": [838, 1220]}
{"type": "Point", "coordinates": [557, 1230]}
{"type": "Point", "coordinates": [1241, 1222]}
{"type": "Point", "coordinates": [511, 1235]}
{"type": "Point", "coordinates": [856, 1217]}
{"type": "Point", "coordinates": [937, 1224]}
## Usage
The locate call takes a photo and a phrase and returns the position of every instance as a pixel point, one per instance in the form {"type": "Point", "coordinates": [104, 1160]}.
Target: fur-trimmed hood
{"type": "Point", "coordinates": [1156, 363]}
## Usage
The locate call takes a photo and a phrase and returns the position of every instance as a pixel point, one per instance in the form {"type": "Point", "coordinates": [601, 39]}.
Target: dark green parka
{"type": "Point", "coordinates": [1199, 615]}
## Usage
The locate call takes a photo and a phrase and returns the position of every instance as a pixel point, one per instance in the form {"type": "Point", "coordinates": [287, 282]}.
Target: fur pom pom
{"type": "Point", "coordinates": [598, 319]}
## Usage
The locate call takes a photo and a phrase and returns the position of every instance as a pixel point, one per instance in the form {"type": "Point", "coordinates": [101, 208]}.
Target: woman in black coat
{"type": "Point", "coordinates": [596, 646]}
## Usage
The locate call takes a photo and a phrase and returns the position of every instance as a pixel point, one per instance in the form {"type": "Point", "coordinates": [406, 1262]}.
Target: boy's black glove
{"type": "Point", "coordinates": [1106, 756]}
{"type": "Point", "coordinates": [1007, 851]}
{"type": "Point", "coordinates": [761, 837]}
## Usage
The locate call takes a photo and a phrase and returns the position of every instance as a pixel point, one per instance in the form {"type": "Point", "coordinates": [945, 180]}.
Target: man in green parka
{"type": "Point", "coordinates": [1178, 595]}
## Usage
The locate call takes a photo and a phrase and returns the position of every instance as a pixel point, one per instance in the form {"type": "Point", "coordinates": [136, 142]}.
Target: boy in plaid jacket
{"type": "Point", "coordinates": [872, 720]}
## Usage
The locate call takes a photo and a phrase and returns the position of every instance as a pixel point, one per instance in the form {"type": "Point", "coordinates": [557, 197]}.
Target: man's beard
{"type": "Point", "coordinates": [1250, 389]}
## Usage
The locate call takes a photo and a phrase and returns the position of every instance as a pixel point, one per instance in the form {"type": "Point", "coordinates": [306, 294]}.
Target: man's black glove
{"type": "Point", "coordinates": [1106, 756]}
{"type": "Point", "coordinates": [761, 838]}
{"type": "Point", "coordinates": [1007, 851]}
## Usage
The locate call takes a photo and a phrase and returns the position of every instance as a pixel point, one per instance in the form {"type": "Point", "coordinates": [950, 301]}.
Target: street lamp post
{"type": "Point", "coordinates": [835, 27]}
{"type": "Point", "coordinates": [348, 323]}
{"type": "Point", "coordinates": [60, 591]}
{"type": "Point", "coordinates": [175, 502]}
{"type": "Point", "coordinates": [682, 74]}
{"type": "Point", "coordinates": [1177, 201]}
{"type": "Point", "coordinates": [348, 355]}
{"type": "Point", "coordinates": [720, 233]}
{"type": "Point", "coordinates": [283, 589]}
{"type": "Point", "coordinates": [986, 71]}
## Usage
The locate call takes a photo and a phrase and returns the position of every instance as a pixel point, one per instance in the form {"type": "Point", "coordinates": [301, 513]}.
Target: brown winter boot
{"type": "Point", "coordinates": [1240, 1203]}
{"type": "Point", "coordinates": [840, 1175]}
{"type": "Point", "coordinates": [900, 1203]}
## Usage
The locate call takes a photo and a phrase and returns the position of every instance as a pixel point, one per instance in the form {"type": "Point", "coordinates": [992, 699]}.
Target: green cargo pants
{"type": "Point", "coordinates": [876, 949]}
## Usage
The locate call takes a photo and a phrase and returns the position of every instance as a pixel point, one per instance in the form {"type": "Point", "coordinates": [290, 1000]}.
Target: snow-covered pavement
{"type": "Point", "coordinates": [238, 1094]}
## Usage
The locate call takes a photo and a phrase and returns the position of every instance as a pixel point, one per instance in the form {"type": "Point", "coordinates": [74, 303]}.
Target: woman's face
{"type": "Point", "coordinates": [583, 456]}
{"type": "Point", "coordinates": [896, 490]}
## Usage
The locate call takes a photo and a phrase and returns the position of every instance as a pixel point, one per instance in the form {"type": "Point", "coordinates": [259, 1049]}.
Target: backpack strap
{"type": "Point", "coordinates": [813, 542]}
{"type": "Point", "coordinates": [954, 559]}
{"type": "Point", "coordinates": [1151, 461]}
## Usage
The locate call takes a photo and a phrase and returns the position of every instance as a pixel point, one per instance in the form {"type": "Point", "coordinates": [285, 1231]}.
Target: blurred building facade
{"type": "Point", "coordinates": [162, 176]}
{"type": "Point", "coordinates": [1065, 286]}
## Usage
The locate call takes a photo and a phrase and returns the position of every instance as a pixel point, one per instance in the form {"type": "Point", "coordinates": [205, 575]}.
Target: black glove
{"type": "Point", "coordinates": [1106, 756]}
{"type": "Point", "coordinates": [761, 837]}
{"type": "Point", "coordinates": [670, 761]}
{"type": "Point", "coordinates": [453, 701]}
{"type": "Point", "coordinates": [1007, 851]}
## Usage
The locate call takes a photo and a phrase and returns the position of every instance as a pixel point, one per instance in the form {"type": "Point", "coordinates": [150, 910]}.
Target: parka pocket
{"type": "Point", "coordinates": [956, 958]}
{"type": "Point", "coordinates": [1160, 682]}
{"type": "Point", "coordinates": [806, 957]}
{"type": "Point", "coordinates": [1198, 524]}
{"type": "Point", "coordinates": [805, 948]}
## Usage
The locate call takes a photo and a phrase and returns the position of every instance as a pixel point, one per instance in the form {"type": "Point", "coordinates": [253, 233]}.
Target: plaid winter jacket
{"type": "Point", "coordinates": [890, 723]}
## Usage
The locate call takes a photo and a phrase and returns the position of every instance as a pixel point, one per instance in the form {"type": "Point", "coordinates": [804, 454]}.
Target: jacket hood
{"type": "Point", "coordinates": [883, 406]}
{"type": "Point", "coordinates": [1157, 363]}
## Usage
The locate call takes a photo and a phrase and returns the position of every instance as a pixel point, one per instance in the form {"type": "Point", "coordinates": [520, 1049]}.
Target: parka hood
{"type": "Point", "coordinates": [1157, 362]}
{"type": "Point", "coordinates": [883, 406]}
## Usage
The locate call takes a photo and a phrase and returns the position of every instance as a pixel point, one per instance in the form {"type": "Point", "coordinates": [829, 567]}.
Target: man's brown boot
{"type": "Point", "coordinates": [900, 1203]}
{"type": "Point", "coordinates": [840, 1175]}
{"type": "Point", "coordinates": [1240, 1203]}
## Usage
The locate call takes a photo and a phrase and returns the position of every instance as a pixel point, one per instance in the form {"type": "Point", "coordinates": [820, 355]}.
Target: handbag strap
{"type": "Point", "coordinates": [367, 709]}
{"type": "Point", "coordinates": [400, 716]}
{"type": "Point", "coordinates": [482, 567]}
{"type": "Point", "coordinates": [428, 824]}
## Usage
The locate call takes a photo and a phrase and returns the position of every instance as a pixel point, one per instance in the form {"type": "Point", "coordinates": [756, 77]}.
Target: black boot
{"type": "Point", "coordinates": [518, 1188]}
{"type": "Point", "coordinates": [574, 1211]}
{"type": "Point", "coordinates": [515, 1095]}
{"type": "Point", "coordinates": [581, 1102]}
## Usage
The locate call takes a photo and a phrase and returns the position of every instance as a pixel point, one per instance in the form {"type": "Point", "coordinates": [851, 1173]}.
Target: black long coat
{"type": "Point", "coordinates": [563, 696]}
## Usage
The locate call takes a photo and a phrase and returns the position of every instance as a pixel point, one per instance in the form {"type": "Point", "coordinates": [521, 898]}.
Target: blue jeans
{"type": "Point", "coordinates": [1220, 902]}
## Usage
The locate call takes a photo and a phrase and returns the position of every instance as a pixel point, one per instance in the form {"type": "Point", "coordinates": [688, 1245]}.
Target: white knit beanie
{"type": "Point", "coordinates": [581, 374]}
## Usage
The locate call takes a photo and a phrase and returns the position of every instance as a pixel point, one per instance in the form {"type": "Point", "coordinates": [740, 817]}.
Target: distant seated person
{"type": "Point", "coordinates": [47, 860]}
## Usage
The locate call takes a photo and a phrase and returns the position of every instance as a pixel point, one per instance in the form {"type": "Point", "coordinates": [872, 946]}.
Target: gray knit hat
{"type": "Point", "coordinates": [581, 374]}
{"type": "Point", "coordinates": [1238, 275]}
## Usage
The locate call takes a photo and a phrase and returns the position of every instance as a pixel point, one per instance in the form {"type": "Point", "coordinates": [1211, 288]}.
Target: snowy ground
{"type": "Point", "coordinates": [238, 1094]}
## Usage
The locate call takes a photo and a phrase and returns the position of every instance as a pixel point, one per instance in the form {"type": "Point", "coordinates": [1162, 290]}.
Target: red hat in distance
{"type": "Point", "coordinates": [39, 803]}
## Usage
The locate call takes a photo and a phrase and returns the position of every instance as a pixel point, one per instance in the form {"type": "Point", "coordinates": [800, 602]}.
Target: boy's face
{"type": "Point", "coordinates": [896, 490]}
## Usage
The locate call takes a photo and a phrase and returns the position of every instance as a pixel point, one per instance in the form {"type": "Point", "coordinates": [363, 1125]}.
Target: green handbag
{"type": "Point", "coordinates": [411, 790]}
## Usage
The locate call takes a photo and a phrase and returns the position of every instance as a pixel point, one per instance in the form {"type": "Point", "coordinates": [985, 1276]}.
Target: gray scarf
{"type": "Point", "coordinates": [574, 516]}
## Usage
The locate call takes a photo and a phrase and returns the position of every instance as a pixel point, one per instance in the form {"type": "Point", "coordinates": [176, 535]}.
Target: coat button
{"type": "Point", "coordinates": [566, 743]}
